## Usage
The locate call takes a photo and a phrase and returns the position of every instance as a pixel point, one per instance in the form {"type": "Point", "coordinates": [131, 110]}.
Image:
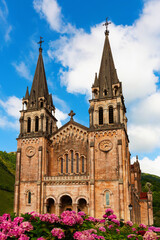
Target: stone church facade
{"type": "Point", "coordinates": [77, 167]}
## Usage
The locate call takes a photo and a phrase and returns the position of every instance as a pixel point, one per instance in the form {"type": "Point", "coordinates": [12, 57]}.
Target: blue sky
{"type": "Point", "coordinates": [74, 35]}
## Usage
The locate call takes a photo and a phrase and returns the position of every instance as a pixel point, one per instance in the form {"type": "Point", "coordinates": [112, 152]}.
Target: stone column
{"type": "Point", "coordinates": [74, 205]}
{"type": "Point", "coordinates": [105, 115]}
{"type": "Point", "coordinates": [121, 187]}
{"type": "Point", "coordinates": [92, 180]}
{"type": "Point", "coordinates": [39, 180]}
{"type": "Point", "coordinates": [17, 183]}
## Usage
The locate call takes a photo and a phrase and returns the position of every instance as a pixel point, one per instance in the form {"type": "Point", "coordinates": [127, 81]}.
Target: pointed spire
{"type": "Point", "coordinates": [27, 94]}
{"type": "Point", "coordinates": [107, 74]}
{"type": "Point", "coordinates": [96, 82]}
{"type": "Point", "coordinates": [39, 85]}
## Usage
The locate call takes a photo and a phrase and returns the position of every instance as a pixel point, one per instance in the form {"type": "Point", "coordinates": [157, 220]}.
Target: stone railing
{"type": "Point", "coordinates": [67, 178]}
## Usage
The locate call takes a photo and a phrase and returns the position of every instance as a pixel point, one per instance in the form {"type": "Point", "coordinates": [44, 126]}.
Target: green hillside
{"type": "Point", "coordinates": [7, 172]}
{"type": "Point", "coordinates": [155, 187]}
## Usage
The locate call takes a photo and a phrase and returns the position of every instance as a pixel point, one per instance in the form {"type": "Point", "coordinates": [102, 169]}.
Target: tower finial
{"type": "Point", "coordinates": [40, 43]}
{"type": "Point", "coordinates": [106, 24]}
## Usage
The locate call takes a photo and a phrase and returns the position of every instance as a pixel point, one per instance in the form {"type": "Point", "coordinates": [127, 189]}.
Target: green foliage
{"type": "Point", "coordinates": [7, 172]}
{"type": "Point", "coordinates": [155, 188]}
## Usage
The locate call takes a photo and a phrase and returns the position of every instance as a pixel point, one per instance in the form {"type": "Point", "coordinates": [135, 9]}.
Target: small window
{"type": "Point", "coordinates": [107, 198]}
{"type": "Point", "coordinates": [36, 124]}
{"type": "Point", "coordinates": [71, 161]}
{"type": "Point", "coordinates": [66, 163]}
{"type": "Point", "coordinates": [41, 104]}
{"type": "Point", "coordinates": [29, 125]}
{"type": "Point", "coordinates": [82, 164]}
{"type": "Point", "coordinates": [77, 163]}
{"type": "Point", "coordinates": [100, 116]}
{"type": "Point", "coordinates": [61, 165]}
{"type": "Point", "coordinates": [105, 92]}
{"type": "Point", "coordinates": [29, 197]}
{"type": "Point", "coordinates": [111, 114]}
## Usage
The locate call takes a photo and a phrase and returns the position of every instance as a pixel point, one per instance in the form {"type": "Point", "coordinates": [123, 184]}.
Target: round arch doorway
{"type": "Point", "coordinates": [50, 205]}
{"type": "Point", "coordinates": [65, 203]}
{"type": "Point", "coordinates": [82, 205]}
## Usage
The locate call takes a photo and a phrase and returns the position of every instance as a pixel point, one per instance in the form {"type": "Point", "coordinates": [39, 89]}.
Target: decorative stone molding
{"type": "Point", "coordinates": [29, 141]}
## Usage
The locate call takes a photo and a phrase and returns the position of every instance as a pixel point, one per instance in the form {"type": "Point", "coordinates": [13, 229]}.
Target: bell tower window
{"type": "Point", "coordinates": [66, 163]}
{"type": "Point", "coordinates": [111, 120]}
{"type": "Point", "coordinates": [41, 104]}
{"type": "Point", "coordinates": [36, 124]}
{"type": "Point", "coordinates": [47, 124]}
{"type": "Point", "coordinates": [71, 161]}
{"type": "Point", "coordinates": [82, 164]}
{"type": "Point", "coordinates": [107, 198]}
{"type": "Point", "coordinates": [29, 125]}
{"type": "Point", "coordinates": [100, 116]}
{"type": "Point", "coordinates": [105, 92]}
{"type": "Point", "coordinates": [77, 163]}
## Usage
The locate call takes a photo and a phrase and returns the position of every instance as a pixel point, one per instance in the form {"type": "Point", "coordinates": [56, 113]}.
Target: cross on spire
{"type": "Point", "coordinates": [40, 42]}
{"type": "Point", "coordinates": [106, 24]}
{"type": "Point", "coordinates": [71, 114]}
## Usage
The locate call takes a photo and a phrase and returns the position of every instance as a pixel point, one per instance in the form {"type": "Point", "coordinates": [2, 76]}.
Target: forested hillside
{"type": "Point", "coordinates": [7, 172]}
{"type": "Point", "coordinates": [155, 187]}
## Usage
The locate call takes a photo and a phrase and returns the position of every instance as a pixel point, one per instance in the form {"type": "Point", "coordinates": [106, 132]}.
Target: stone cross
{"type": "Point", "coordinates": [71, 114]}
{"type": "Point", "coordinates": [40, 42]}
{"type": "Point", "coordinates": [106, 24]}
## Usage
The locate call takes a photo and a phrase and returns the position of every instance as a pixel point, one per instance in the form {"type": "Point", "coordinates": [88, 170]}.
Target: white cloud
{"type": "Point", "coordinates": [51, 12]}
{"type": "Point", "coordinates": [12, 106]}
{"type": "Point", "coordinates": [5, 26]}
{"type": "Point", "coordinates": [23, 70]}
{"type": "Point", "coordinates": [61, 116]}
{"type": "Point", "coordinates": [59, 102]}
{"type": "Point", "coordinates": [149, 166]}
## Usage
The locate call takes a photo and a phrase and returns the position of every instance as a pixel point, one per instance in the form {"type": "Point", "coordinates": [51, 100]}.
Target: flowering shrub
{"type": "Point", "coordinates": [72, 226]}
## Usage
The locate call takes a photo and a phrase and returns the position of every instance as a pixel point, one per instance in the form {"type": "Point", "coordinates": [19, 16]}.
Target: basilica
{"type": "Point", "coordinates": [75, 167]}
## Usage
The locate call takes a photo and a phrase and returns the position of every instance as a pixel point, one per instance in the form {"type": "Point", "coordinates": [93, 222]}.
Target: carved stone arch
{"type": "Point", "coordinates": [81, 196]}
{"type": "Point", "coordinates": [52, 197]}
{"type": "Point", "coordinates": [64, 194]}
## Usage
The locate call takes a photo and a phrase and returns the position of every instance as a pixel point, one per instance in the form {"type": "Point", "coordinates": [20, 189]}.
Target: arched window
{"type": "Point", "coordinates": [61, 165]}
{"type": "Point", "coordinates": [66, 163]}
{"type": "Point", "coordinates": [111, 120]}
{"type": "Point", "coordinates": [77, 163]}
{"type": "Point", "coordinates": [82, 164]}
{"type": "Point", "coordinates": [105, 92]}
{"type": "Point", "coordinates": [36, 124]}
{"type": "Point", "coordinates": [107, 198]}
{"type": "Point", "coordinates": [29, 125]}
{"type": "Point", "coordinates": [46, 124]}
{"type": "Point", "coordinates": [29, 197]}
{"type": "Point", "coordinates": [41, 104]}
{"type": "Point", "coordinates": [100, 116]}
{"type": "Point", "coordinates": [71, 161]}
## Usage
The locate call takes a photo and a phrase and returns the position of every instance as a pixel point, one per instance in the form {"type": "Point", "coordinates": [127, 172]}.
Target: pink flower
{"type": "Point", "coordinates": [109, 211]}
{"type": "Point", "coordinates": [2, 236]}
{"type": "Point", "coordinates": [102, 221]}
{"type": "Point", "coordinates": [134, 229]}
{"type": "Point", "coordinates": [102, 229]}
{"type": "Point", "coordinates": [18, 220]}
{"type": "Point", "coordinates": [117, 230]}
{"type": "Point", "coordinates": [150, 235]}
{"type": "Point", "coordinates": [16, 231]}
{"type": "Point", "coordinates": [112, 216]}
{"type": "Point", "coordinates": [104, 216]}
{"type": "Point", "coordinates": [110, 226]}
{"type": "Point", "coordinates": [129, 223]}
{"type": "Point", "coordinates": [82, 214]}
{"type": "Point", "coordinates": [70, 218]}
{"type": "Point", "coordinates": [23, 237]}
{"type": "Point", "coordinates": [116, 221]}
{"type": "Point", "coordinates": [142, 226]}
{"type": "Point", "coordinates": [26, 226]}
{"type": "Point", "coordinates": [89, 234]}
{"type": "Point", "coordinates": [131, 236]}
{"type": "Point", "coordinates": [58, 232]}
{"type": "Point", "coordinates": [41, 238]}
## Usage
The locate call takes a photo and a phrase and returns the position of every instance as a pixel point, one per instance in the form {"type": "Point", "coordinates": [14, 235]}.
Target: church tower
{"type": "Point", "coordinates": [37, 124]}
{"type": "Point", "coordinates": [108, 131]}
